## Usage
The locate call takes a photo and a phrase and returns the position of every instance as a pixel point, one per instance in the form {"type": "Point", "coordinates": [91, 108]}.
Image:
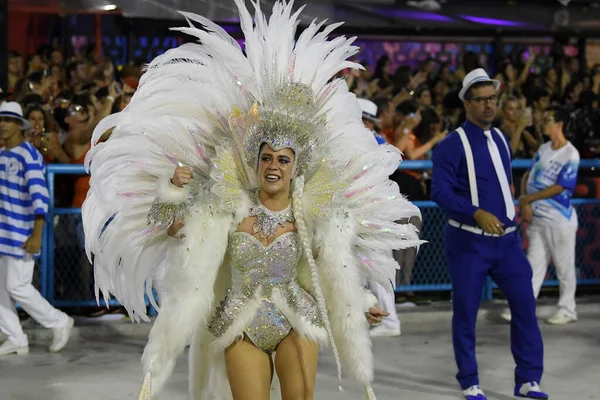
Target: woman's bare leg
{"type": "Point", "coordinates": [296, 361]}
{"type": "Point", "coordinates": [249, 371]}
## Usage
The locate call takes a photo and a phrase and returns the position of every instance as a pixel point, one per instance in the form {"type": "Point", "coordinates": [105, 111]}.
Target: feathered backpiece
{"type": "Point", "coordinates": [209, 106]}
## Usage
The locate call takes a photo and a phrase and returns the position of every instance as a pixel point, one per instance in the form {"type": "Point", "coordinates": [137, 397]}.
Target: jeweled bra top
{"type": "Point", "coordinates": [256, 264]}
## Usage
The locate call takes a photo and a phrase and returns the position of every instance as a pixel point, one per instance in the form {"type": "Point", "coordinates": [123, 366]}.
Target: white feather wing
{"type": "Point", "coordinates": [168, 123]}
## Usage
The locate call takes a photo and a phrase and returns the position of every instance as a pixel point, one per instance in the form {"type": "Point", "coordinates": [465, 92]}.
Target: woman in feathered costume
{"type": "Point", "coordinates": [252, 181]}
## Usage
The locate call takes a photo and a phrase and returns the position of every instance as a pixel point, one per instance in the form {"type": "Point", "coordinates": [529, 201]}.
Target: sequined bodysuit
{"type": "Point", "coordinates": [257, 272]}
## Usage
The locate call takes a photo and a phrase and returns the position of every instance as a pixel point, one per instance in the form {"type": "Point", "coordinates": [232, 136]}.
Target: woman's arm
{"type": "Point", "coordinates": [531, 142]}
{"type": "Point", "coordinates": [402, 138]}
{"type": "Point", "coordinates": [413, 153]}
{"type": "Point", "coordinates": [525, 71]}
{"type": "Point", "coordinates": [515, 135]}
{"type": "Point", "coordinates": [56, 150]}
{"type": "Point", "coordinates": [404, 130]}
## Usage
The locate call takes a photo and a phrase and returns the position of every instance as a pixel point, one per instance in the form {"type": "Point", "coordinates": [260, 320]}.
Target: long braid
{"type": "Point", "coordinates": [301, 226]}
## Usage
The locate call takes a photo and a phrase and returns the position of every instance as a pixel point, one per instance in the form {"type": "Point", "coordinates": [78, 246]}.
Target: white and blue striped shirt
{"type": "Point", "coordinates": [23, 195]}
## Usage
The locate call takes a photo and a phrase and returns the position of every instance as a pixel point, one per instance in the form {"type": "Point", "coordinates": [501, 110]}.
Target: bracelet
{"type": "Point", "coordinates": [110, 98]}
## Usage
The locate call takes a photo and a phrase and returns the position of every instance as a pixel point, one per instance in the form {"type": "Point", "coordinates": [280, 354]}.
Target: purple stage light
{"type": "Point", "coordinates": [414, 15]}
{"type": "Point", "coordinates": [230, 20]}
{"type": "Point", "coordinates": [491, 21]}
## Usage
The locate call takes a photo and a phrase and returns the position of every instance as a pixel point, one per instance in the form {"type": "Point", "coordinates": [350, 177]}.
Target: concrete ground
{"type": "Point", "coordinates": [102, 361]}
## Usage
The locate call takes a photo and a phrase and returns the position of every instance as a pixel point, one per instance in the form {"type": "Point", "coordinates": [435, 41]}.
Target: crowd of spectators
{"type": "Point", "coordinates": [64, 99]}
{"type": "Point", "coordinates": [417, 108]}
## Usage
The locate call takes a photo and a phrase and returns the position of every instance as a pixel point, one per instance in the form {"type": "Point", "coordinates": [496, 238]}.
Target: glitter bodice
{"type": "Point", "coordinates": [255, 264]}
{"type": "Point", "coordinates": [259, 270]}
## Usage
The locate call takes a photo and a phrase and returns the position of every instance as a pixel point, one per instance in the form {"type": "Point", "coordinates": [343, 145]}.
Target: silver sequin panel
{"type": "Point", "coordinates": [255, 266]}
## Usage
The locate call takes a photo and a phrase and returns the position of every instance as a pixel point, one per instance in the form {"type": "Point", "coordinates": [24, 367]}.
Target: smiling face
{"type": "Point", "coordinates": [36, 119]}
{"type": "Point", "coordinates": [275, 170]}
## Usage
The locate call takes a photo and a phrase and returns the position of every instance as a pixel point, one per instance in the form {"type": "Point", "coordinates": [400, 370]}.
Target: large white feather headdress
{"type": "Point", "coordinates": [210, 106]}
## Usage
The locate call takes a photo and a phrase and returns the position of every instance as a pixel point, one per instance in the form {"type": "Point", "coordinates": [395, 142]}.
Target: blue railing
{"type": "Point", "coordinates": [516, 164]}
{"type": "Point", "coordinates": [430, 270]}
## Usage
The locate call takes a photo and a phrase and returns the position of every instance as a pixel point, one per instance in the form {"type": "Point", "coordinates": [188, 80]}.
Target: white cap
{"type": "Point", "coordinates": [476, 76]}
{"type": "Point", "coordinates": [12, 109]}
{"type": "Point", "coordinates": [369, 109]}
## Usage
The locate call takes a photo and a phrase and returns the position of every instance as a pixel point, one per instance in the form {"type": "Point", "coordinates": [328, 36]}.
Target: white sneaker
{"type": "Point", "coordinates": [530, 390]}
{"type": "Point", "coordinates": [9, 347]}
{"type": "Point", "coordinates": [560, 318]}
{"type": "Point", "coordinates": [61, 336]}
{"type": "Point", "coordinates": [474, 393]}
{"type": "Point", "coordinates": [384, 331]}
{"type": "Point", "coordinates": [506, 315]}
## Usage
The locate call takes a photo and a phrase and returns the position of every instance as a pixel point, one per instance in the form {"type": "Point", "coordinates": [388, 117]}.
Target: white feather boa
{"type": "Point", "coordinates": [189, 284]}
{"type": "Point", "coordinates": [341, 282]}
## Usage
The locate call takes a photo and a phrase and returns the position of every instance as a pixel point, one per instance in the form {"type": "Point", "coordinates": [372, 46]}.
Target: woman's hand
{"type": "Point", "coordinates": [112, 90]}
{"type": "Point", "coordinates": [182, 176]}
{"type": "Point", "coordinates": [50, 146]}
{"type": "Point", "coordinates": [175, 228]}
{"type": "Point", "coordinates": [376, 315]}
{"type": "Point", "coordinates": [411, 121]}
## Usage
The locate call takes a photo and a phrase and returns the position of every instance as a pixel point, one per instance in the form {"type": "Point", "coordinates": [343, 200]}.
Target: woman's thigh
{"type": "Point", "coordinates": [249, 371]}
{"type": "Point", "coordinates": [296, 366]}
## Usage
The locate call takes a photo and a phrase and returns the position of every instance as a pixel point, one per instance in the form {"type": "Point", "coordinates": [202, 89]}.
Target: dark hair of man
{"type": "Point", "coordinates": [560, 114]}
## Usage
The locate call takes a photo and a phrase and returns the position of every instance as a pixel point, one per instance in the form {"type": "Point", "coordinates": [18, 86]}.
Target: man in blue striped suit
{"type": "Point", "coordinates": [23, 206]}
{"type": "Point", "coordinates": [471, 175]}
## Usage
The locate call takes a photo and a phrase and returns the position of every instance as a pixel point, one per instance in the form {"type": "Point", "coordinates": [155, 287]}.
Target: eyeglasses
{"type": "Point", "coordinates": [483, 100]}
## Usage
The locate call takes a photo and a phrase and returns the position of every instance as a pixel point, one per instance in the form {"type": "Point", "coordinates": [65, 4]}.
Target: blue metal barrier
{"type": "Point", "coordinates": [73, 296]}
{"type": "Point", "coordinates": [429, 274]}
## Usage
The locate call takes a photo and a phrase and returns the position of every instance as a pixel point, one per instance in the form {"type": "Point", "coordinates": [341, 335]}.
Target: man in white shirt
{"type": "Point", "coordinates": [546, 205]}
